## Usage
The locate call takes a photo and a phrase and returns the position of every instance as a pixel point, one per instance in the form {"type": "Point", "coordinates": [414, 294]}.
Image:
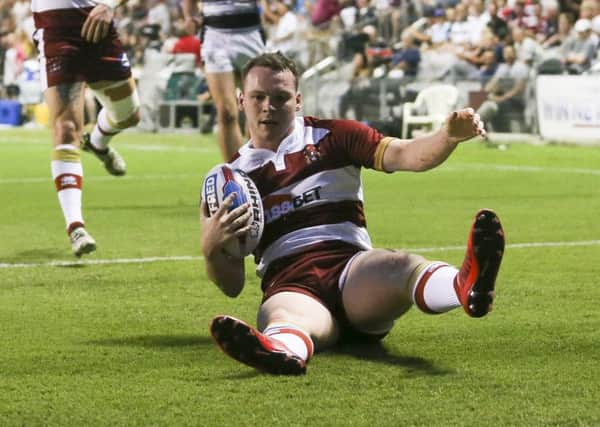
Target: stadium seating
{"type": "Point", "coordinates": [430, 108]}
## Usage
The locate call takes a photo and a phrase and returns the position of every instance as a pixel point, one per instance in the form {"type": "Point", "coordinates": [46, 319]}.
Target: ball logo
{"type": "Point", "coordinates": [222, 182]}
{"type": "Point", "coordinates": [210, 192]}
{"type": "Point", "coordinates": [255, 204]}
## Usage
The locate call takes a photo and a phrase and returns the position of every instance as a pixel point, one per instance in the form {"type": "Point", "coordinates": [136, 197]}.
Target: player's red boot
{"type": "Point", "coordinates": [474, 283]}
{"type": "Point", "coordinates": [246, 344]}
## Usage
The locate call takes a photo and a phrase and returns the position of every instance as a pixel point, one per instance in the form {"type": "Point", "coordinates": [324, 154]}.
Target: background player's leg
{"type": "Point", "coordinates": [65, 104]}
{"type": "Point", "coordinates": [120, 110]}
{"type": "Point", "coordinates": [223, 92]}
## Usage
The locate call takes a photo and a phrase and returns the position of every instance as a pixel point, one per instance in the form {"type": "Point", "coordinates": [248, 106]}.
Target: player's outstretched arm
{"type": "Point", "coordinates": [426, 152]}
{"type": "Point", "coordinates": [225, 271]}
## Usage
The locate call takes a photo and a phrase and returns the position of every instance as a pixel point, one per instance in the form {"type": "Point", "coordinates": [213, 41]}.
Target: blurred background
{"type": "Point", "coordinates": [528, 66]}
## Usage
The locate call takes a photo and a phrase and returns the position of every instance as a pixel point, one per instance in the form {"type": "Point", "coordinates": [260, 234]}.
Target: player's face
{"type": "Point", "coordinates": [270, 102]}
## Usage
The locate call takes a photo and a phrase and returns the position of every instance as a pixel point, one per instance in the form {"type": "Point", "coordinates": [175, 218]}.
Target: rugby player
{"type": "Point", "coordinates": [231, 36]}
{"type": "Point", "coordinates": [323, 283]}
{"type": "Point", "coordinates": [78, 45]}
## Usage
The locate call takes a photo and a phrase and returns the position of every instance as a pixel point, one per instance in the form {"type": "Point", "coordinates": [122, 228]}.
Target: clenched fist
{"type": "Point", "coordinates": [464, 124]}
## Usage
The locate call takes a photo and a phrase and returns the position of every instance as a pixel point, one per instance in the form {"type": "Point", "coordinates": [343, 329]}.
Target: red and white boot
{"type": "Point", "coordinates": [247, 345]}
{"type": "Point", "coordinates": [475, 281]}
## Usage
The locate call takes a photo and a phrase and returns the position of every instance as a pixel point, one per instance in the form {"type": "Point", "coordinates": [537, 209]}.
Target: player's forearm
{"type": "Point", "coordinates": [188, 8]}
{"type": "Point", "coordinates": [226, 272]}
{"type": "Point", "coordinates": [419, 154]}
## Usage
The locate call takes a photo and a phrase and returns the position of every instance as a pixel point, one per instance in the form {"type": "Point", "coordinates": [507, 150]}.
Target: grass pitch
{"type": "Point", "coordinates": [122, 337]}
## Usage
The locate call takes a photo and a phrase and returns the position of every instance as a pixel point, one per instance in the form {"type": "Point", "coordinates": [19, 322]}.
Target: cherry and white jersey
{"type": "Point", "coordinates": [311, 187]}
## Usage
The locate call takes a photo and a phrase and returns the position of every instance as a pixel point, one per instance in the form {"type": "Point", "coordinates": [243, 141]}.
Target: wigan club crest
{"type": "Point", "coordinates": [311, 153]}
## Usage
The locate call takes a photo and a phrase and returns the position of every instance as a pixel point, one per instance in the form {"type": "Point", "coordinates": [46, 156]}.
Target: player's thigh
{"type": "Point", "coordinates": [222, 89]}
{"type": "Point", "coordinates": [302, 311]}
{"type": "Point", "coordinates": [376, 290]}
{"type": "Point", "coordinates": [65, 105]}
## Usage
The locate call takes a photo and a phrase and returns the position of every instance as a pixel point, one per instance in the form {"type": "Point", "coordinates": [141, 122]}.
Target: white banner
{"type": "Point", "coordinates": [569, 108]}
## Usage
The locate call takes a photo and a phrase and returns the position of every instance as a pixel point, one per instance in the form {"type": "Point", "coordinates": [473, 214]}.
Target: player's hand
{"type": "Point", "coordinates": [192, 24]}
{"type": "Point", "coordinates": [464, 124]}
{"type": "Point", "coordinates": [97, 25]}
{"type": "Point", "coordinates": [223, 226]}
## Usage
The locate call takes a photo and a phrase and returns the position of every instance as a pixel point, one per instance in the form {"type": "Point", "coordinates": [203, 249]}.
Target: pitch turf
{"type": "Point", "coordinates": [125, 342]}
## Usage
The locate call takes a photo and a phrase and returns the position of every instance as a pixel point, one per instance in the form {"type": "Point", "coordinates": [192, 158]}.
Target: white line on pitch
{"type": "Point", "coordinates": [455, 168]}
{"type": "Point", "coordinates": [516, 246]}
{"type": "Point", "coordinates": [198, 258]}
{"type": "Point", "coordinates": [460, 167]}
{"type": "Point", "coordinates": [170, 149]}
{"type": "Point", "coordinates": [101, 261]}
{"type": "Point", "coordinates": [48, 179]}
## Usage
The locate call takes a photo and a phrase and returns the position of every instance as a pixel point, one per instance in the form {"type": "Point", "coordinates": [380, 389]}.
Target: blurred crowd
{"type": "Point", "coordinates": [428, 40]}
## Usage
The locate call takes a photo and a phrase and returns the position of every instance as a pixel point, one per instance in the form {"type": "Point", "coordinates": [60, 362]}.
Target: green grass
{"type": "Point", "coordinates": [127, 344]}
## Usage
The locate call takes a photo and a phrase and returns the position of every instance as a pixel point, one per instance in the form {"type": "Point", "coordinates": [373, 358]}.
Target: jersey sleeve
{"type": "Point", "coordinates": [363, 145]}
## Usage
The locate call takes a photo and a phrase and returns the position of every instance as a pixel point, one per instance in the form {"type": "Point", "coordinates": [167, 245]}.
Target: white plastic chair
{"type": "Point", "coordinates": [431, 107]}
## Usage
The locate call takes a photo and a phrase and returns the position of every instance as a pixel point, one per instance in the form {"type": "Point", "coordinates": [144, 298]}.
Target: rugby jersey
{"type": "Point", "coordinates": [311, 187]}
{"type": "Point", "coordinates": [231, 15]}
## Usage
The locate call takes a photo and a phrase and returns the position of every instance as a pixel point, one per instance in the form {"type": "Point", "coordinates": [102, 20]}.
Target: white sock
{"type": "Point", "coordinates": [103, 131]}
{"type": "Point", "coordinates": [295, 339]}
{"type": "Point", "coordinates": [68, 178]}
{"type": "Point", "coordinates": [433, 291]}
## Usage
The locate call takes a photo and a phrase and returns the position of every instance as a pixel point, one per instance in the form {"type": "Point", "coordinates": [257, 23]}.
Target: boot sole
{"type": "Point", "coordinates": [488, 248]}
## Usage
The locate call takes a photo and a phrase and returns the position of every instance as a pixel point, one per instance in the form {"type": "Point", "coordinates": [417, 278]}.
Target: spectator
{"type": "Point", "coordinates": [408, 57]}
{"type": "Point", "coordinates": [459, 27]}
{"type": "Point", "coordinates": [13, 63]}
{"type": "Point", "coordinates": [282, 36]}
{"type": "Point", "coordinates": [322, 28]}
{"type": "Point", "coordinates": [565, 25]}
{"type": "Point", "coordinates": [579, 50]}
{"type": "Point", "coordinates": [488, 67]}
{"type": "Point", "coordinates": [471, 63]}
{"type": "Point", "coordinates": [589, 9]}
{"type": "Point", "coordinates": [188, 43]}
{"type": "Point", "coordinates": [21, 10]}
{"type": "Point", "coordinates": [528, 49]}
{"type": "Point", "coordinates": [478, 20]}
{"type": "Point", "coordinates": [496, 23]}
{"type": "Point", "coordinates": [159, 15]}
{"type": "Point", "coordinates": [505, 90]}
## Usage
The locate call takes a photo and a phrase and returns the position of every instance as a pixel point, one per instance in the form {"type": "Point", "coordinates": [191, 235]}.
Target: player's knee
{"type": "Point", "coordinates": [122, 105]}
{"type": "Point", "coordinates": [405, 260]}
{"type": "Point", "coordinates": [395, 261]}
{"type": "Point", "coordinates": [133, 119]}
{"type": "Point", "coordinates": [228, 115]}
{"type": "Point", "coordinates": [66, 132]}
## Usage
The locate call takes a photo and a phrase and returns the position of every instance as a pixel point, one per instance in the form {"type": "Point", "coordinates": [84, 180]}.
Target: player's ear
{"type": "Point", "coordinates": [298, 101]}
{"type": "Point", "coordinates": [240, 101]}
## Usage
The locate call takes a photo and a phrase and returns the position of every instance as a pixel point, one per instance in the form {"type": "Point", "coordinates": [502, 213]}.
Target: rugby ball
{"type": "Point", "coordinates": [219, 183]}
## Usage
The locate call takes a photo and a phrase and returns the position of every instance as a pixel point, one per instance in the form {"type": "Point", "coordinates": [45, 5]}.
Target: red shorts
{"type": "Point", "coordinates": [65, 57]}
{"type": "Point", "coordinates": [316, 273]}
